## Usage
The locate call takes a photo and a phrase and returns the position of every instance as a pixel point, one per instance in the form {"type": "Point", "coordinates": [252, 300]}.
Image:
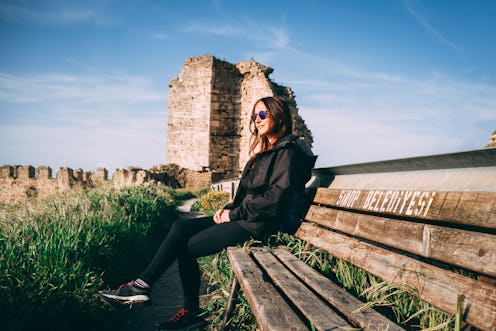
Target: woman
{"type": "Point", "coordinates": [277, 171]}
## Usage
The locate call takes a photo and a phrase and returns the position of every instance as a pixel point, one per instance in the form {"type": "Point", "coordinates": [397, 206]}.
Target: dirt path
{"type": "Point", "coordinates": [167, 295]}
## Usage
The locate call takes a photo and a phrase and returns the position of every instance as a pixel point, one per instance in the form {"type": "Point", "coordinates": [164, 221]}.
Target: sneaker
{"type": "Point", "coordinates": [183, 320]}
{"type": "Point", "coordinates": [127, 294]}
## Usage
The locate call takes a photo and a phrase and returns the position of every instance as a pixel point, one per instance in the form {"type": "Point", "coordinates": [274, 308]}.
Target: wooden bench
{"type": "Point", "coordinates": [423, 222]}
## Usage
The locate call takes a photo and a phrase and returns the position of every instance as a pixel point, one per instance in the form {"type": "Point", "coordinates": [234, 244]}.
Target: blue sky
{"type": "Point", "coordinates": [84, 84]}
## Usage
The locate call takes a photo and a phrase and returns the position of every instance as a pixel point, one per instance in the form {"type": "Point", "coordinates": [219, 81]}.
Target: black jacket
{"type": "Point", "coordinates": [268, 183]}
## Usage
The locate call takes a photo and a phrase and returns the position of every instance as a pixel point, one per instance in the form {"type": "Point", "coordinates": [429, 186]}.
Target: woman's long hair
{"type": "Point", "coordinates": [281, 124]}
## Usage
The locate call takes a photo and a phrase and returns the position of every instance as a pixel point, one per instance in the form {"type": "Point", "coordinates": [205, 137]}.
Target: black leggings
{"type": "Point", "coordinates": [186, 241]}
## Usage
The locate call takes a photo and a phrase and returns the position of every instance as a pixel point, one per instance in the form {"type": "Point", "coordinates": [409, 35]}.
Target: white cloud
{"type": "Point", "coordinates": [105, 88]}
{"type": "Point", "coordinates": [161, 36]}
{"type": "Point", "coordinates": [44, 15]}
{"type": "Point", "coordinates": [112, 120]}
{"type": "Point", "coordinates": [56, 13]}
{"type": "Point", "coordinates": [277, 37]}
{"type": "Point", "coordinates": [137, 142]}
{"type": "Point", "coordinates": [424, 22]}
{"type": "Point", "coordinates": [345, 137]}
{"type": "Point", "coordinates": [358, 115]}
{"type": "Point", "coordinates": [272, 37]}
{"type": "Point", "coordinates": [218, 30]}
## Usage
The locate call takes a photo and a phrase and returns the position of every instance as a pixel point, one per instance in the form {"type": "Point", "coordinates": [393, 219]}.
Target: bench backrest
{"type": "Point", "coordinates": [415, 221]}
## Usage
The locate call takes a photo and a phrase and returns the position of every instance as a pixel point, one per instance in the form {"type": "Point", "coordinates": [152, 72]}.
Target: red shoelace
{"type": "Point", "coordinates": [126, 284]}
{"type": "Point", "coordinates": [179, 315]}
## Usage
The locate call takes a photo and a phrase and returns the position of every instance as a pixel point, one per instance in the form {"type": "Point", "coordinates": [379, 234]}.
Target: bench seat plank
{"type": "Point", "coordinates": [467, 249]}
{"type": "Point", "coordinates": [269, 308]}
{"type": "Point", "coordinates": [317, 312]}
{"type": "Point", "coordinates": [436, 286]}
{"type": "Point", "coordinates": [366, 318]}
{"type": "Point", "coordinates": [470, 208]}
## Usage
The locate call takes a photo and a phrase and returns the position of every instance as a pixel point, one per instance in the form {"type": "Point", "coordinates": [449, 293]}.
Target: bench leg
{"type": "Point", "coordinates": [230, 303]}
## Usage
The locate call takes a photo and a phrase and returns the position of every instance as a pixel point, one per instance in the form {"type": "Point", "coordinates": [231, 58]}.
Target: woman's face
{"type": "Point", "coordinates": [263, 125]}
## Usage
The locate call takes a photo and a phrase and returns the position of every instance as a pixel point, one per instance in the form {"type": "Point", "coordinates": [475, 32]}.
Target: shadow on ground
{"type": "Point", "coordinates": [167, 296]}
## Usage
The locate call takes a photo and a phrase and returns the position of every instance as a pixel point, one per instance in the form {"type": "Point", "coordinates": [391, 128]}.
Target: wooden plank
{"type": "Point", "coordinates": [270, 309]}
{"type": "Point", "coordinates": [454, 180]}
{"type": "Point", "coordinates": [476, 160]}
{"type": "Point", "coordinates": [366, 318]}
{"type": "Point", "coordinates": [230, 303]}
{"type": "Point", "coordinates": [469, 208]}
{"type": "Point", "coordinates": [317, 312]}
{"type": "Point", "coordinates": [467, 249]}
{"type": "Point", "coordinates": [439, 287]}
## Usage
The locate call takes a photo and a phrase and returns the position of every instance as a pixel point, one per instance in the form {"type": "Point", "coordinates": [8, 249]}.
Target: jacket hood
{"type": "Point", "coordinates": [290, 139]}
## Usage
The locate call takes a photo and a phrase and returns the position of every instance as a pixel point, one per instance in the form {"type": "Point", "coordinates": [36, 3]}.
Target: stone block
{"type": "Point", "coordinates": [78, 175]}
{"type": "Point", "coordinates": [65, 178]}
{"type": "Point", "coordinates": [44, 172]}
{"type": "Point", "coordinates": [102, 173]}
{"type": "Point", "coordinates": [26, 172]}
{"type": "Point", "coordinates": [6, 171]}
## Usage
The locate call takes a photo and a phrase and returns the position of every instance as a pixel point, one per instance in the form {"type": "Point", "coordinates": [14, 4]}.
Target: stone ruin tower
{"type": "Point", "coordinates": [210, 103]}
{"type": "Point", "coordinates": [492, 141]}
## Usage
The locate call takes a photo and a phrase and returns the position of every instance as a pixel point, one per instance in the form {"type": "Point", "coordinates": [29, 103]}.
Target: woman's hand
{"type": "Point", "coordinates": [222, 216]}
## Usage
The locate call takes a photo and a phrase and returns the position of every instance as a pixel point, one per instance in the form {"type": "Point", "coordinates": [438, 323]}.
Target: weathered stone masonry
{"type": "Point", "coordinates": [210, 102]}
{"type": "Point", "coordinates": [492, 141]}
{"type": "Point", "coordinates": [19, 183]}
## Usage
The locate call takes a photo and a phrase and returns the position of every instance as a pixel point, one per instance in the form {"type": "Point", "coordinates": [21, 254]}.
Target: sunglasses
{"type": "Point", "coordinates": [262, 114]}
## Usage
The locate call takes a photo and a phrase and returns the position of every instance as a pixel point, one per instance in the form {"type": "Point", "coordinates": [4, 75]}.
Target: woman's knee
{"type": "Point", "coordinates": [195, 249]}
{"type": "Point", "coordinates": [204, 244]}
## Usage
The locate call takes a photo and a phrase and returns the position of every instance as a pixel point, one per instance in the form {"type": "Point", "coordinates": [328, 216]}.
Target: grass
{"type": "Point", "coordinates": [58, 252]}
{"type": "Point", "coordinates": [400, 303]}
{"type": "Point", "coordinates": [55, 254]}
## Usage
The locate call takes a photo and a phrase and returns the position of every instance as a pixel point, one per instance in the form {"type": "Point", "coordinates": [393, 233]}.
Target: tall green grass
{"type": "Point", "coordinates": [400, 303]}
{"type": "Point", "coordinates": [55, 254]}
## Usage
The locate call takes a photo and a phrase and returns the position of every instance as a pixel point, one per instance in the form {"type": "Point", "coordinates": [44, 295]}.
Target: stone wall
{"type": "Point", "coordinates": [19, 183]}
{"type": "Point", "coordinates": [198, 179]}
{"type": "Point", "coordinates": [224, 119]}
{"type": "Point", "coordinates": [492, 141]}
{"type": "Point", "coordinates": [210, 103]}
{"type": "Point", "coordinates": [255, 85]}
{"type": "Point", "coordinates": [189, 123]}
